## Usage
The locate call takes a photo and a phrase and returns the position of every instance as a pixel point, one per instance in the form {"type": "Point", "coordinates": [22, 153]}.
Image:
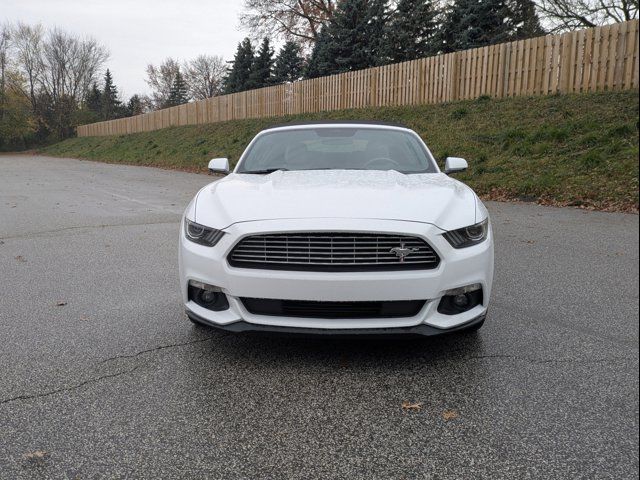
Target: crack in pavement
{"type": "Point", "coordinates": [102, 377]}
{"type": "Point", "coordinates": [174, 345]}
{"type": "Point", "coordinates": [69, 389]}
{"type": "Point", "coordinates": [160, 347]}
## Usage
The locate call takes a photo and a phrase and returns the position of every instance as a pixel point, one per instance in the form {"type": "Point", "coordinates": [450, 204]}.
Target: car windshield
{"type": "Point", "coordinates": [340, 148]}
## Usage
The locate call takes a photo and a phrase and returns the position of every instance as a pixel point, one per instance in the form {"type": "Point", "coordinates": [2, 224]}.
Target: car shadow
{"type": "Point", "coordinates": [274, 349]}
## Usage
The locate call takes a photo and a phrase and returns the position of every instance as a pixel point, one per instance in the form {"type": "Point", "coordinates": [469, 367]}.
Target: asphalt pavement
{"type": "Point", "coordinates": [102, 375]}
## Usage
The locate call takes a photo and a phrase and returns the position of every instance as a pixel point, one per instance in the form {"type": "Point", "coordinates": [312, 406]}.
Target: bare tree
{"type": "Point", "coordinates": [205, 76]}
{"type": "Point", "coordinates": [27, 43]}
{"type": "Point", "coordinates": [58, 68]}
{"type": "Point", "coordinates": [5, 38]}
{"type": "Point", "coordinates": [573, 14]}
{"type": "Point", "coordinates": [71, 65]}
{"type": "Point", "coordinates": [58, 64]}
{"type": "Point", "coordinates": [160, 79]}
{"type": "Point", "coordinates": [301, 19]}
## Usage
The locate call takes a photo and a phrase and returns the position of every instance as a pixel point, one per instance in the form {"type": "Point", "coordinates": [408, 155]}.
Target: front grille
{"type": "Point", "coordinates": [329, 251]}
{"type": "Point", "coordinates": [339, 310]}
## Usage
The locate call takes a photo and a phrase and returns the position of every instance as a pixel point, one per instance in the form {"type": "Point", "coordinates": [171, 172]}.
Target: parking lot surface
{"type": "Point", "coordinates": [102, 375]}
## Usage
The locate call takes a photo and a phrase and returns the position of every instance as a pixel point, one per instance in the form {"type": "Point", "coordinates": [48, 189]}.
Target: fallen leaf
{"type": "Point", "coordinates": [411, 406]}
{"type": "Point", "coordinates": [450, 415]}
{"type": "Point", "coordinates": [35, 455]}
{"type": "Point", "coordinates": [61, 304]}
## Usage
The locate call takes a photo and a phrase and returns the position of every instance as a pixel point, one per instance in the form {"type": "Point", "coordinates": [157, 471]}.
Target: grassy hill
{"type": "Point", "coordinates": [579, 150]}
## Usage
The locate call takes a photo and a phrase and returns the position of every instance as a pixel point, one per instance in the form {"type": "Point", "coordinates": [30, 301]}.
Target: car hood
{"type": "Point", "coordinates": [433, 198]}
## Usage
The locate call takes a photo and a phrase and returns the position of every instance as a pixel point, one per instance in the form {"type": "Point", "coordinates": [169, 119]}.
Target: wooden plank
{"type": "Point", "coordinates": [587, 61]}
{"type": "Point", "coordinates": [483, 65]}
{"type": "Point", "coordinates": [556, 58]}
{"type": "Point", "coordinates": [565, 62]}
{"type": "Point", "coordinates": [477, 73]}
{"type": "Point", "coordinates": [511, 56]}
{"type": "Point", "coordinates": [618, 75]}
{"type": "Point", "coordinates": [526, 67]}
{"type": "Point", "coordinates": [604, 50]}
{"type": "Point", "coordinates": [632, 67]}
{"type": "Point", "coordinates": [595, 59]}
{"type": "Point", "coordinates": [438, 78]}
{"type": "Point", "coordinates": [467, 74]}
{"type": "Point", "coordinates": [573, 52]}
{"type": "Point", "coordinates": [611, 57]}
{"type": "Point", "coordinates": [520, 69]}
{"type": "Point", "coordinates": [495, 81]}
{"type": "Point", "coordinates": [538, 63]}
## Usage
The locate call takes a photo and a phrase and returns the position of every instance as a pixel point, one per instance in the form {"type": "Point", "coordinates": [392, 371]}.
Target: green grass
{"type": "Point", "coordinates": [579, 150]}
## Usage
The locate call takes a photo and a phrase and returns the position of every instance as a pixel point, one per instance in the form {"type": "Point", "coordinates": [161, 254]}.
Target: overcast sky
{"type": "Point", "coordinates": [138, 32]}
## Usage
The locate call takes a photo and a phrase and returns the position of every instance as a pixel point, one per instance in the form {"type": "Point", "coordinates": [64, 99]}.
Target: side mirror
{"type": "Point", "coordinates": [455, 164]}
{"type": "Point", "coordinates": [219, 165]}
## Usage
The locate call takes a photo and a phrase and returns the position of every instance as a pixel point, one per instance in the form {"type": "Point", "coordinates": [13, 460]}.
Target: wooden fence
{"type": "Point", "coordinates": [595, 59]}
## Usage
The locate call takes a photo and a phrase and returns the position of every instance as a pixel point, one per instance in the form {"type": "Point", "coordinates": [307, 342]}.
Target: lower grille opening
{"type": "Point", "coordinates": [339, 310]}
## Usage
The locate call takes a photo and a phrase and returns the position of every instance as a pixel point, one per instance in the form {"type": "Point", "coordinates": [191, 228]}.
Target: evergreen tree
{"type": "Point", "coordinates": [93, 101]}
{"type": "Point", "coordinates": [238, 76]}
{"type": "Point", "coordinates": [524, 20]}
{"type": "Point", "coordinates": [377, 30]}
{"type": "Point", "coordinates": [477, 23]}
{"type": "Point", "coordinates": [179, 92]}
{"type": "Point", "coordinates": [134, 106]}
{"type": "Point", "coordinates": [110, 103]}
{"type": "Point", "coordinates": [320, 61]}
{"type": "Point", "coordinates": [410, 31]}
{"type": "Point", "coordinates": [356, 31]}
{"type": "Point", "coordinates": [262, 67]}
{"type": "Point", "coordinates": [289, 63]}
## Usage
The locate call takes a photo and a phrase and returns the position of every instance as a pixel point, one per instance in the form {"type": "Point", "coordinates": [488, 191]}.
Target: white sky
{"type": "Point", "coordinates": [138, 32]}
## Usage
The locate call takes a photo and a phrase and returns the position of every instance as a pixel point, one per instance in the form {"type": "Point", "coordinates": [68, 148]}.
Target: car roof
{"type": "Point", "coordinates": [335, 123]}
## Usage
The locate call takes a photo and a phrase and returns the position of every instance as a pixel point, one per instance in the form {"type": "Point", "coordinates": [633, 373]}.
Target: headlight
{"type": "Point", "coordinates": [468, 236]}
{"type": "Point", "coordinates": [200, 234]}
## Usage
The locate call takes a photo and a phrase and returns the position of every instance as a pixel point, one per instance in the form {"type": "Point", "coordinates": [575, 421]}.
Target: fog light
{"type": "Point", "coordinates": [460, 300]}
{"type": "Point", "coordinates": [207, 296]}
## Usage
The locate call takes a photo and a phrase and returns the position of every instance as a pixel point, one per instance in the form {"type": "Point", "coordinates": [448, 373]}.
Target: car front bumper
{"type": "Point", "coordinates": [457, 268]}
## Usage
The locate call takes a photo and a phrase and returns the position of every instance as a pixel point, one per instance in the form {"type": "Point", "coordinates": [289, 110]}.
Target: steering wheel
{"type": "Point", "coordinates": [387, 162]}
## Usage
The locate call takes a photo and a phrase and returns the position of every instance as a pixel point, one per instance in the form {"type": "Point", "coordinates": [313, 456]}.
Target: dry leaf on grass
{"type": "Point", "coordinates": [450, 415]}
{"type": "Point", "coordinates": [35, 455]}
{"type": "Point", "coordinates": [411, 406]}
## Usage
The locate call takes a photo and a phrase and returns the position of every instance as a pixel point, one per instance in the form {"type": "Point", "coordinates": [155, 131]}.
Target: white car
{"type": "Point", "coordinates": [337, 228]}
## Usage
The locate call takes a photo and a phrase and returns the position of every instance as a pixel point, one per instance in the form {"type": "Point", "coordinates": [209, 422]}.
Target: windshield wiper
{"type": "Point", "coordinates": [266, 171]}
